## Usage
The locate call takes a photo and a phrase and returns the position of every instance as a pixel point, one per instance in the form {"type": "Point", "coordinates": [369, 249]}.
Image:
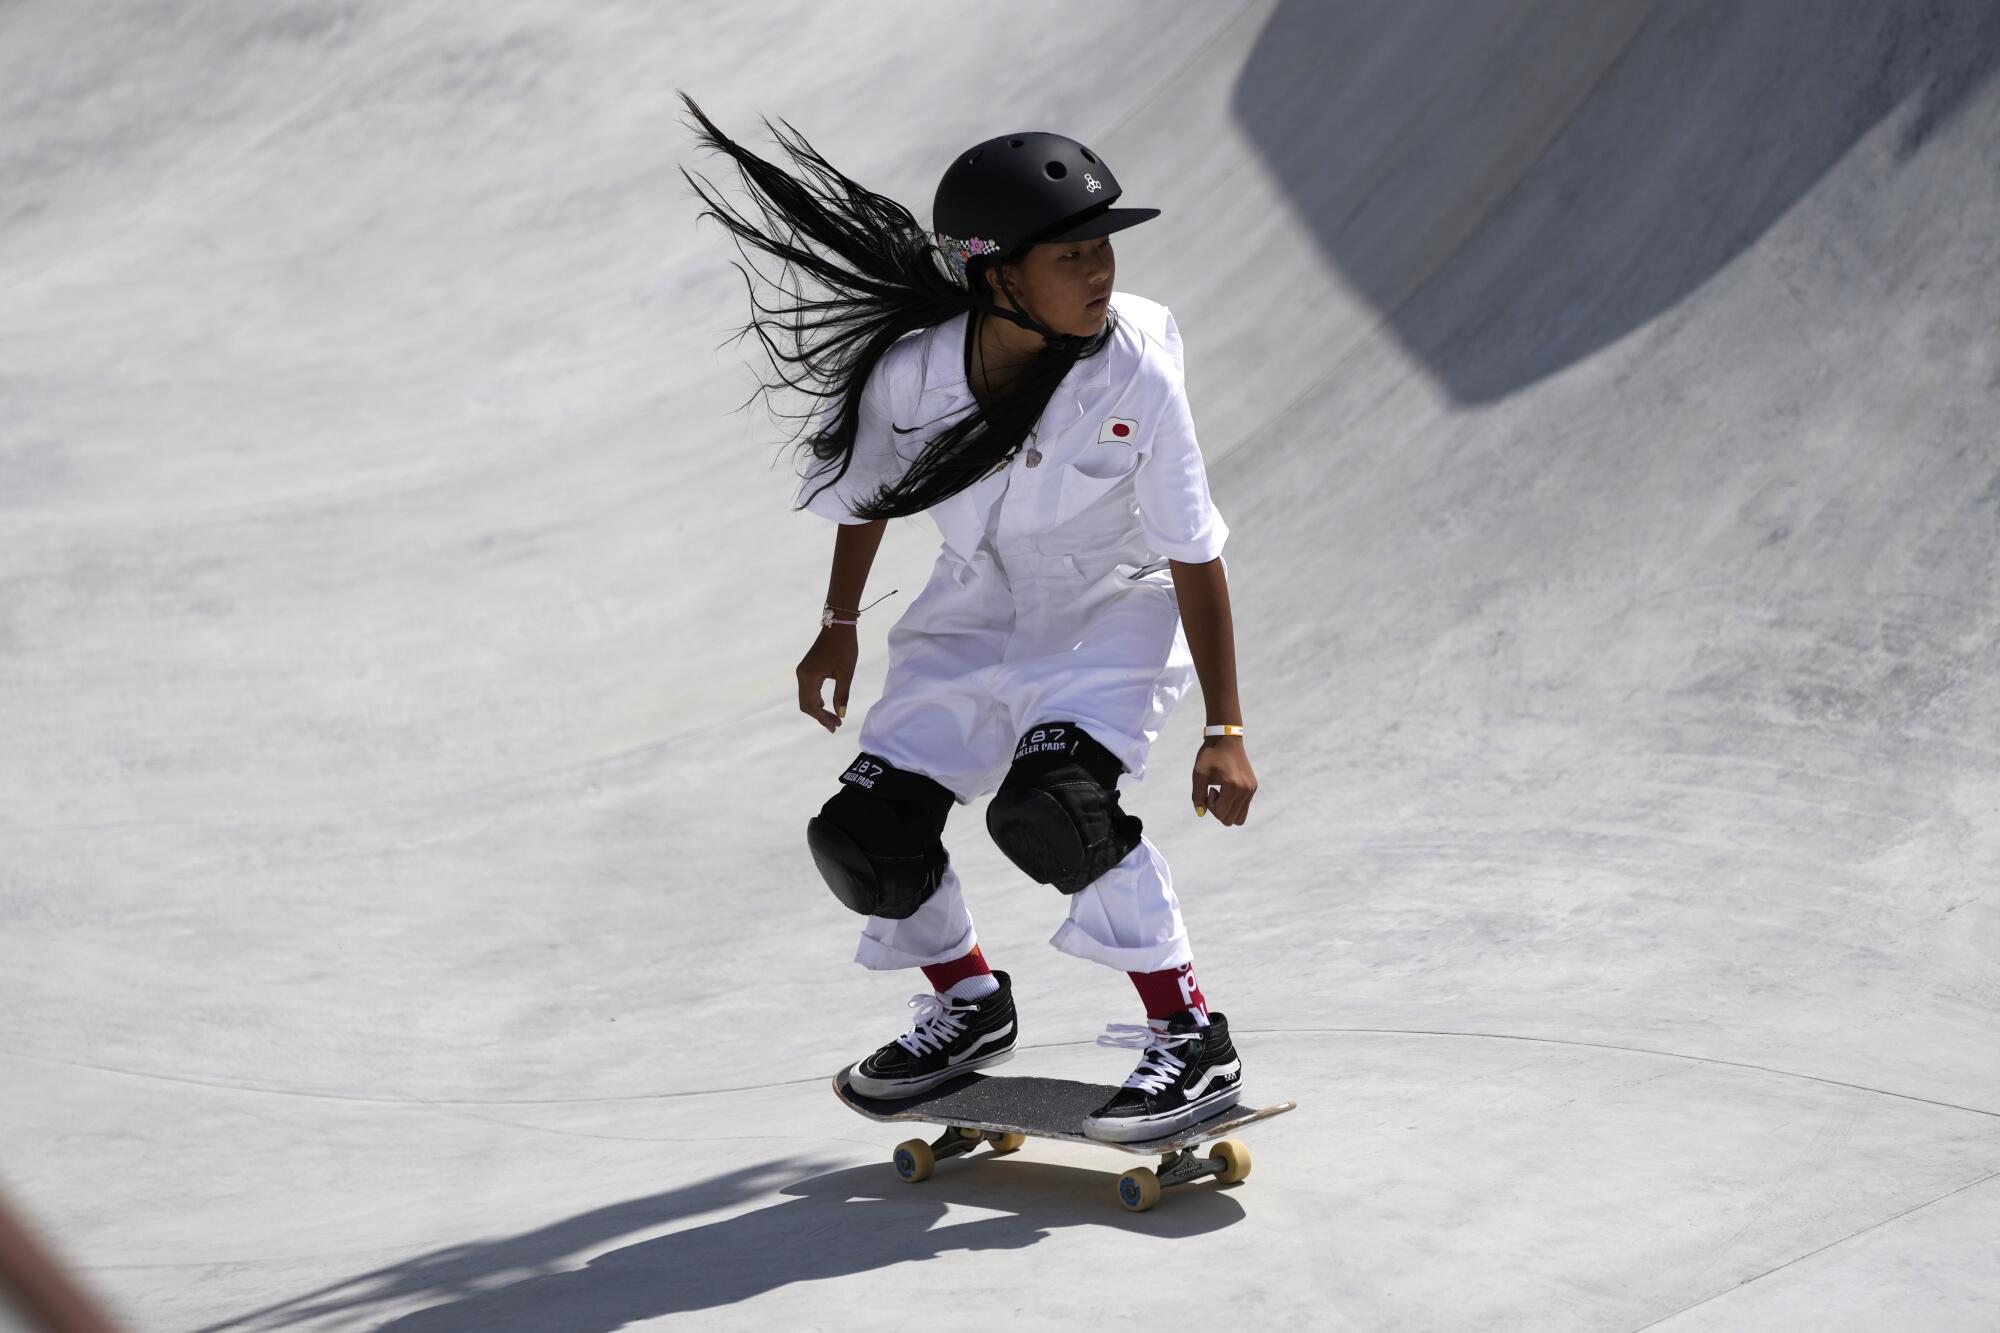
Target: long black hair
{"type": "Point", "coordinates": [885, 278]}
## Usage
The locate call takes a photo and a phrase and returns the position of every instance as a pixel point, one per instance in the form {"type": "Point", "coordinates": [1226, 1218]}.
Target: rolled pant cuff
{"type": "Point", "coordinates": [1078, 943]}
{"type": "Point", "coordinates": [872, 953]}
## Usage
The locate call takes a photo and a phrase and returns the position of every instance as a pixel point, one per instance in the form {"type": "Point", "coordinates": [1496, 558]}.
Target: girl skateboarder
{"type": "Point", "coordinates": [987, 372]}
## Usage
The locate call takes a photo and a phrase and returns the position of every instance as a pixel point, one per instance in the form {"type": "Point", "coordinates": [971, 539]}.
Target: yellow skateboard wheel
{"type": "Point", "coordinates": [1008, 1142]}
{"type": "Point", "coordinates": [1139, 1189]}
{"type": "Point", "coordinates": [1235, 1160]}
{"type": "Point", "coordinates": [914, 1160]}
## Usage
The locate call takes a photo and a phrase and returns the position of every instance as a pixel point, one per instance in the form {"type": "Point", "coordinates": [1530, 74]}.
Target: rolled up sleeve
{"type": "Point", "coordinates": [875, 462]}
{"type": "Point", "coordinates": [1179, 518]}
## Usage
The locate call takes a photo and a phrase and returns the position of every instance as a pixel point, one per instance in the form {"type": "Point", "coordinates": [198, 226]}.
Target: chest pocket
{"type": "Point", "coordinates": [1103, 461]}
{"type": "Point", "coordinates": [1093, 472]}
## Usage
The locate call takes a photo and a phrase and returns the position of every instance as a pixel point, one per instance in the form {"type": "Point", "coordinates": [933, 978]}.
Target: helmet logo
{"type": "Point", "coordinates": [1093, 185]}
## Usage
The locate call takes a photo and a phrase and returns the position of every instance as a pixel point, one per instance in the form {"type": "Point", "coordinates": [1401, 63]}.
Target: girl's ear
{"type": "Point", "coordinates": [997, 285]}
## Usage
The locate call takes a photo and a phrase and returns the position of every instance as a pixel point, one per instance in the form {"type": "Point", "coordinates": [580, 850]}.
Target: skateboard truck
{"type": "Point", "coordinates": [1227, 1160]}
{"type": "Point", "coordinates": [915, 1158]}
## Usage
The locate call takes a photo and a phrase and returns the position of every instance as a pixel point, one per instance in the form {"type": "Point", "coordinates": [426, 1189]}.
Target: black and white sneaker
{"type": "Point", "coordinates": [1188, 1073]}
{"type": "Point", "coordinates": [947, 1038]}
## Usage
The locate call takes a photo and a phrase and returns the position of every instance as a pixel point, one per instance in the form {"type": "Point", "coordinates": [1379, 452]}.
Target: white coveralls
{"type": "Point", "coordinates": [1051, 598]}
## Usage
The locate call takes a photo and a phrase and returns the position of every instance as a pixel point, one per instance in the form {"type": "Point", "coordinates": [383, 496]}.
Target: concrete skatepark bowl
{"type": "Point", "coordinates": [405, 918]}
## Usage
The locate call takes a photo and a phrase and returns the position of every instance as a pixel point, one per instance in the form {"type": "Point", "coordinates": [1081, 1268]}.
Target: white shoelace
{"type": "Point", "coordinates": [938, 1020]}
{"type": "Point", "coordinates": [1159, 1066]}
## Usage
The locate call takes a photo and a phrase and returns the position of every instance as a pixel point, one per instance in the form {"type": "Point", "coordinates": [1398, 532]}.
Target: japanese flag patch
{"type": "Point", "coordinates": [1118, 430]}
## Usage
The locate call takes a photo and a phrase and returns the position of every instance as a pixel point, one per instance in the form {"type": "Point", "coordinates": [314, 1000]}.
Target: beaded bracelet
{"type": "Point", "coordinates": [827, 609]}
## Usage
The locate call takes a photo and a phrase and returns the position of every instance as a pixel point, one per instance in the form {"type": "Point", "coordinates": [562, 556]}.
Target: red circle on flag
{"type": "Point", "coordinates": [1121, 429]}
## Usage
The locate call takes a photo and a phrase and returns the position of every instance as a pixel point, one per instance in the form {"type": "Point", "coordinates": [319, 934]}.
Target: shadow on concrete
{"type": "Point", "coordinates": [1386, 122]}
{"type": "Point", "coordinates": [465, 1269]}
{"type": "Point", "coordinates": [837, 1224]}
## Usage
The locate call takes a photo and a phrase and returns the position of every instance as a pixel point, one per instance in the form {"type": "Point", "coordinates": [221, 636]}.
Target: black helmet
{"type": "Point", "coordinates": [1004, 195]}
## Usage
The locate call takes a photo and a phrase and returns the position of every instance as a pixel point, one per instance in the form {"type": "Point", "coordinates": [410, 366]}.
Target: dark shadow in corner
{"type": "Point", "coordinates": [1715, 119]}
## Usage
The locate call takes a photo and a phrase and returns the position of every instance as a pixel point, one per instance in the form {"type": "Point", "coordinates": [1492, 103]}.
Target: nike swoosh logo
{"type": "Point", "coordinates": [1201, 1084]}
{"type": "Point", "coordinates": [973, 1049]}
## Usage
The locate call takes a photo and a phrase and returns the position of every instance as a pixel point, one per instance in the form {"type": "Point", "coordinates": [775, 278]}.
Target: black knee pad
{"type": "Point", "coordinates": [876, 841]}
{"type": "Point", "coordinates": [1056, 814]}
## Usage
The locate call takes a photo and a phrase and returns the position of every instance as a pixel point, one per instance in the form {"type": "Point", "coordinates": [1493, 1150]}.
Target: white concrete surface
{"type": "Point", "coordinates": [405, 918]}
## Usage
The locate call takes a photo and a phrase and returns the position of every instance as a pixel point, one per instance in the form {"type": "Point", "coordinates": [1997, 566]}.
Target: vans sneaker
{"type": "Point", "coordinates": [947, 1038]}
{"type": "Point", "coordinates": [1187, 1074]}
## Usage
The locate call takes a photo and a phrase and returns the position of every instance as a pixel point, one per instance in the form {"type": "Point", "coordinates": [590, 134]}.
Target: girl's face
{"type": "Point", "coordinates": [1065, 284]}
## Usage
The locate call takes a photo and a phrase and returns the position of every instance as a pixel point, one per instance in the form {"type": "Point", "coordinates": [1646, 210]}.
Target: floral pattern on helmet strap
{"type": "Point", "coordinates": [957, 250]}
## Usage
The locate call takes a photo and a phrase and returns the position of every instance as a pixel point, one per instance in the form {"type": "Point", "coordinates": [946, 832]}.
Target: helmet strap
{"type": "Point", "coordinates": [1015, 315]}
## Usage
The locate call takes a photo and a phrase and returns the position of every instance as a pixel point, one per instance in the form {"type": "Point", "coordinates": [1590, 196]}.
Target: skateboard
{"type": "Point", "coordinates": [1008, 1110]}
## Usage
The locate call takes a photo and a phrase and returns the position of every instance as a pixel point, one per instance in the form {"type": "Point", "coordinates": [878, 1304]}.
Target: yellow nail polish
{"type": "Point", "coordinates": [842, 712]}
{"type": "Point", "coordinates": [1200, 810]}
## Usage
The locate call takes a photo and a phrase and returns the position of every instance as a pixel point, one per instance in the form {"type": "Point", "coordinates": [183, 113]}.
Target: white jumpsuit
{"type": "Point", "coordinates": [1051, 598]}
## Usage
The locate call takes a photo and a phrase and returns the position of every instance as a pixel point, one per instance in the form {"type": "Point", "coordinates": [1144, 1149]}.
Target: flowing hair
{"type": "Point", "coordinates": [884, 277]}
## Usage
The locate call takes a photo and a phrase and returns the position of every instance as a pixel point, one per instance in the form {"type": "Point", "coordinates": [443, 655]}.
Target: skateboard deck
{"type": "Point", "coordinates": [1004, 1110]}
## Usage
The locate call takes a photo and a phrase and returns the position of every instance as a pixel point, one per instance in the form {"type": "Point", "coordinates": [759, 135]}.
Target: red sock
{"type": "Point", "coordinates": [1168, 993]}
{"type": "Point", "coordinates": [943, 976]}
